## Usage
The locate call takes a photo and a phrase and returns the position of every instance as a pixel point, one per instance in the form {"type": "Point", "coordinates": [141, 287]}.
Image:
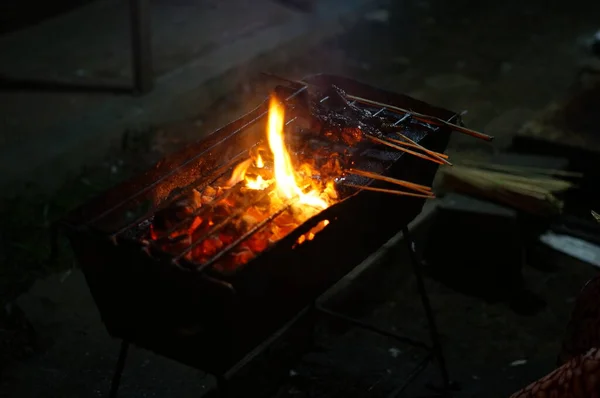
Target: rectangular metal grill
{"type": "Point", "coordinates": [139, 225]}
{"type": "Point", "coordinates": [208, 316]}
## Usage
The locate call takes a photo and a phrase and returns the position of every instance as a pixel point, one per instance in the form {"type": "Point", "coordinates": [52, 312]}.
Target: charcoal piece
{"type": "Point", "coordinates": [177, 211]}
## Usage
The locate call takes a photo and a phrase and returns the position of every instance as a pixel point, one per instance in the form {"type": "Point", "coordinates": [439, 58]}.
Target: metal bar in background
{"type": "Point", "coordinates": [141, 51]}
{"type": "Point", "coordinates": [433, 330]}
{"type": "Point", "coordinates": [116, 381]}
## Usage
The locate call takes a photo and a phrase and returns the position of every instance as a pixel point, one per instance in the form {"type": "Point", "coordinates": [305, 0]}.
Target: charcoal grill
{"type": "Point", "coordinates": [209, 319]}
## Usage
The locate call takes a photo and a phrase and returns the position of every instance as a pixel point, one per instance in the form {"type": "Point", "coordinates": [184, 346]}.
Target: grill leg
{"type": "Point", "coordinates": [114, 386]}
{"type": "Point", "coordinates": [433, 331]}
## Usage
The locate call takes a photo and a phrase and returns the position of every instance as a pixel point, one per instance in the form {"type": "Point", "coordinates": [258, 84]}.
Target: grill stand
{"type": "Point", "coordinates": [116, 380]}
{"type": "Point", "coordinates": [435, 352]}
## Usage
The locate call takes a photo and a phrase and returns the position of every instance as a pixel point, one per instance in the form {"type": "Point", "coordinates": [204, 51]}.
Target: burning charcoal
{"type": "Point", "coordinates": [177, 212]}
{"type": "Point", "coordinates": [254, 197]}
{"type": "Point", "coordinates": [226, 239]}
{"type": "Point", "coordinates": [276, 234]}
{"type": "Point", "coordinates": [281, 232]}
{"type": "Point", "coordinates": [207, 249]}
{"type": "Point", "coordinates": [208, 195]}
{"type": "Point", "coordinates": [257, 242]}
{"type": "Point", "coordinates": [221, 211]}
{"type": "Point", "coordinates": [331, 168]}
{"type": "Point", "coordinates": [249, 220]}
{"type": "Point", "coordinates": [175, 245]}
{"type": "Point", "coordinates": [242, 256]}
{"type": "Point", "coordinates": [233, 228]}
{"type": "Point", "coordinates": [286, 220]}
{"type": "Point", "coordinates": [209, 191]}
{"type": "Point", "coordinates": [244, 223]}
{"type": "Point", "coordinates": [259, 212]}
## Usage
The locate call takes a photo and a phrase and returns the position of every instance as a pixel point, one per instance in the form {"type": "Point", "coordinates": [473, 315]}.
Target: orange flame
{"type": "Point", "coordinates": [239, 173]}
{"type": "Point", "coordinates": [258, 183]}
{"type": "Point", "coordinates": [258, 162]}
{"type": "Point", "coordinates": [308, 186]}
{"type": "Point", "coordinates": [285, 176]}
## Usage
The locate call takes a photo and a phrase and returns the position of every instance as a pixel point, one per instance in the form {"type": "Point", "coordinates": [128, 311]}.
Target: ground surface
{"type": "Point", "coordinates": [503, 62]}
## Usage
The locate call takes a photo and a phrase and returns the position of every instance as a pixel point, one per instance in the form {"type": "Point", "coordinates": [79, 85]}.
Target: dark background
{"type": "Point", "coordinates": [519, 68]}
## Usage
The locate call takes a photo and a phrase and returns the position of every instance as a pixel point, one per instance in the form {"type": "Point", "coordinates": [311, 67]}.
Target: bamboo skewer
{"type": "Point", "coordinates": [392, 145]}
{"type": "Point", "coordinates": [424, 118]}
{"type": "Point", "coordinates": [532, 194]}
{"type": "Point", "coordinates": [416, 115]}
{"type": "Point", "coordinates": [414, 144]}
{"type": "Point", "coordinates": [406, 184]}
{"type": "Point", "coordinates": [521, 169]}
{"type": "Point", "coordinates": [537, 183]}
{"type": "Point", "coordinates": [391, 191]}
{"type": "Point", "coordinates": [596, 215]}
{"type": "Point", "coordinates": [439, 156]}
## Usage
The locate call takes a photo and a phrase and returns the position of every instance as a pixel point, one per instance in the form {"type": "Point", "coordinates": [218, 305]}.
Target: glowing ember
{"type": "Point", "coordinates": [273, 191]}
{"type": "Point", "coordinates": [310, 235]}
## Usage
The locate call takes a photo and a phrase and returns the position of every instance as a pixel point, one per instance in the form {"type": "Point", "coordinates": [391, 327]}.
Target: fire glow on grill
{"type": "Point", "coordinates": [265, 187]}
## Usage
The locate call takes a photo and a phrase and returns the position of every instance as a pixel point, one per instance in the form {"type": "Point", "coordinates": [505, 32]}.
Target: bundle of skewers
{"type": "Point", "coordinates": [532, 190]}
{"type": "Point", "coordinates": [352, 124]}
{"type": "Point", "coordinates": [419, 191]}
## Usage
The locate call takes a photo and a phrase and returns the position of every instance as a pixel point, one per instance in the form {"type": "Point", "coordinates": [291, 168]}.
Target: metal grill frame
{"type": "Point", "coordinates": [194, 317]}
